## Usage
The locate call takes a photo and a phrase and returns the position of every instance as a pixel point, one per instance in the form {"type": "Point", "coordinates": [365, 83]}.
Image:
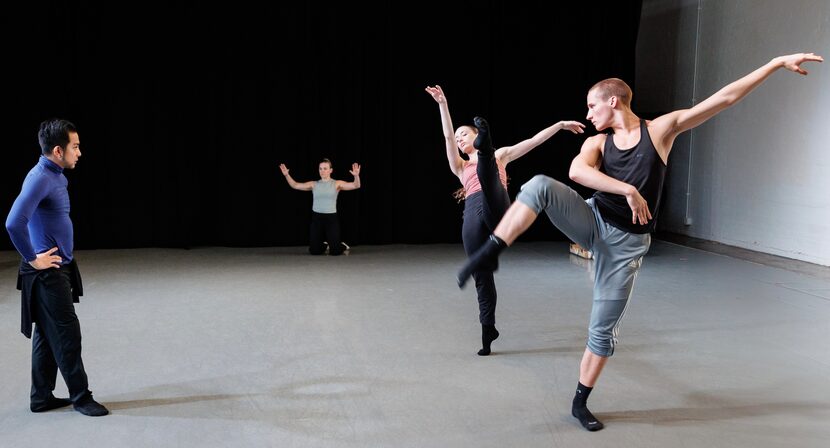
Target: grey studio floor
{"type": "Point", "coordinates": [271, 347]}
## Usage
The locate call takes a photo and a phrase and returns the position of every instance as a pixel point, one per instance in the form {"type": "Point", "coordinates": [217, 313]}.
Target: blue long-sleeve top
{"type": "Point", "coordinates": [39, 219]}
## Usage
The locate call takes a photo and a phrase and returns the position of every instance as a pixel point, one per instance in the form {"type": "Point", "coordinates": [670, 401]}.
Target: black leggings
{"type": "Point", "coordinates": [325, 227]}
{"type": "Point", "coordinates": [482, 212]}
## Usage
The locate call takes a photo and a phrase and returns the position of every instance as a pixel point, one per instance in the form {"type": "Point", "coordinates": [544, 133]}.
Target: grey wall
{"type": "Point", "coordinates": [757, 175]}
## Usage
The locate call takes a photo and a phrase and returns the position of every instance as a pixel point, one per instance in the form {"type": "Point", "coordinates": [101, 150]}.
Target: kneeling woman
{"type": "Point", "coordinates": [324, 224]}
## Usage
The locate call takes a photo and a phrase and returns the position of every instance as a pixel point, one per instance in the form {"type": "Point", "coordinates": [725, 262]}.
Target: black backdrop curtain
{"type": "Point", "coordinates": [185, 111]}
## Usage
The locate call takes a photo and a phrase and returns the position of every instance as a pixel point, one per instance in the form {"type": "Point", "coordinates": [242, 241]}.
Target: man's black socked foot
{"type": "Point", "coordinates": [587, 419]}
{"type": "Point", "coordinates": [90, 407]}
{"type": "Point", "coordinates": [488, 335]}
{"type": "Point", "coordinates": [484, 141]}
{"type": "Point", "coordinates": [486, 258]}
{"type": "Point", "coordinates": [51, 403]}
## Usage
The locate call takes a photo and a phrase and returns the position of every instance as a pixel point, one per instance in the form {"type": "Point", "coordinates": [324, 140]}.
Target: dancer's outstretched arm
{"type": "Point", "coordinates": [666, 128]}
{"type": "Point", "coordinates": [508, 154]}
{"type": "Point", "coordinates": [455, 161]}
{"type": "Point", "coordinates": [354, 185]}
{"type": "Point", "coordinates": [304, 186]}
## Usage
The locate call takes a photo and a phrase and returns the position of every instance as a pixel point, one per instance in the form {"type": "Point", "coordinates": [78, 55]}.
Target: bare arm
{"type": "Point", "coordinates": [455, 161]}
{"type": "Point", "coordinates": [585, 171]}
{"type": "Point", "coordinates": [508, 154]}
{"type": "Point", "coordinates": [668, 126]}
{"type": "Point", "coordinates": [354, 185]}
{"type": "Point", "coordinates": [303, 186]}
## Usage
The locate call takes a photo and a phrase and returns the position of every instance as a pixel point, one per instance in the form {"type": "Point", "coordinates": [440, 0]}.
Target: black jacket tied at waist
{"type": "Point", "coordinates": [25, 283]}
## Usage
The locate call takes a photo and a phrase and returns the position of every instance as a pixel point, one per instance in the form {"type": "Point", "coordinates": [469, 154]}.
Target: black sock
{"type": "Point", "coordinates": [580, 409]}
{"type": "Point", "coordinates": [487, 256]}
{"type": "Point", "coordinates": [484, 141]}
{"type": "Point", "coordinates": [488, 335]}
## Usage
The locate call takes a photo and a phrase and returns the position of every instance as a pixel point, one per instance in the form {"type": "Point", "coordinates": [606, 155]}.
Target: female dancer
{"type": "Point", "coordinates": [325, 226]}
{"type": "Point", "coordinates": [484, 179]}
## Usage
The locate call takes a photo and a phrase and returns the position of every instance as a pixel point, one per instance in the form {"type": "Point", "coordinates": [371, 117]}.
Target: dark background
{"type": "Point", "coordinates": [185, 111]}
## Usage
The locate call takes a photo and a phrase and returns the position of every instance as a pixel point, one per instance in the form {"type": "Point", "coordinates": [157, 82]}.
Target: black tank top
{"type": "Point", "coordinates": [640, 166]}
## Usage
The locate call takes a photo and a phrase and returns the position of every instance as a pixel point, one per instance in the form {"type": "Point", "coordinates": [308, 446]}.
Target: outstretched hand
{"type": "Point", "coordinates": [355, 171]}
{"type": "Point", "coordinates": [793, 62]}
{"type": "Point", "coordinates": [437, 93]}
{"type": "Point", "coordinates": [284, 169]}
{"type": "Point", "coordinates": [573, 126]}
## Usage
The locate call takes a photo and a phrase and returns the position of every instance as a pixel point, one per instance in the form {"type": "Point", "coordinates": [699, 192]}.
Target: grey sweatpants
{"type": "Point", "coordinates": [617, 254]}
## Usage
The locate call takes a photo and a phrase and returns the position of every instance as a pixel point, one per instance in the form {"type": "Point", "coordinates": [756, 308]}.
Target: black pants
{"type": "Point", "coordinates": [482, 213]}
{"type": "Point", "coordinates": [56, 339]}
{"type": "Point", "coordinates": [325, 227]}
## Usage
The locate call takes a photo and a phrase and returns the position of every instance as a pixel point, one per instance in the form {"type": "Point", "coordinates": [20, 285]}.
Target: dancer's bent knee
{"type": "Point", "coordinates": [539, 192]}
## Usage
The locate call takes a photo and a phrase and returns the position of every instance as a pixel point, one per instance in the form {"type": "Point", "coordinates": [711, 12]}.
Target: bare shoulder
{"type": "Point", "coordinates": [595, 142]}
{"type": "Point", "coordinates": [598, 139]}
{"type": "Point", "coordinates": [662, 126]}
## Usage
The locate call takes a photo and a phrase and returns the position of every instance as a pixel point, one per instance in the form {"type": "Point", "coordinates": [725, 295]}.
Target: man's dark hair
{"type": "Point", "coordinates": [54, 132]}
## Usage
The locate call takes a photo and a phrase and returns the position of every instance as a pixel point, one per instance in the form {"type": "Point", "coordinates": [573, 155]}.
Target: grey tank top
{"type": "Point", "coordinates": [325, 196]}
